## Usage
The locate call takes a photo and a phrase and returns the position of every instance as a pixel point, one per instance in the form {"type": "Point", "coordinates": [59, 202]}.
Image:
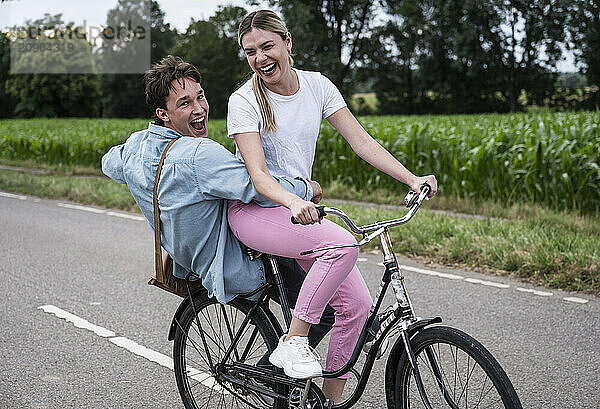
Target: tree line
{"type": "Point", "coordinates": [417, 56]}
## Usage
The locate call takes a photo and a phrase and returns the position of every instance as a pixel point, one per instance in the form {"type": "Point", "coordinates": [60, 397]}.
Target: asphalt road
{"type": "Point", "coordinates": [95, 265]}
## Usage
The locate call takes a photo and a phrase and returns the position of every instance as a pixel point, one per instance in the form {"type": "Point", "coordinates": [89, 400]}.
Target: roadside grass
{"type": "Point", "coordinates": [535, 244]}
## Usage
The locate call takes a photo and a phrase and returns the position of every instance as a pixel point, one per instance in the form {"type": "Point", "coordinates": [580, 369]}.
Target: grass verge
{"type": "Point", "coordinates": [535, 244]}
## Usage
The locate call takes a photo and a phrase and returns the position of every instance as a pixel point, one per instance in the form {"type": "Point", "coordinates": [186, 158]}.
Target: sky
{"type": "Point", "coordinates": [93, 13]}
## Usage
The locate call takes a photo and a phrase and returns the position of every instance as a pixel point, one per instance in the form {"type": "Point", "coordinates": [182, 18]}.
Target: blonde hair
{"type": "Point", "coordinates": [269, 21]}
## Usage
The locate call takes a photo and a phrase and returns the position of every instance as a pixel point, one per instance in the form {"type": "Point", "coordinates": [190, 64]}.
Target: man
{"type": "Point", "coordinates": [197, 178]}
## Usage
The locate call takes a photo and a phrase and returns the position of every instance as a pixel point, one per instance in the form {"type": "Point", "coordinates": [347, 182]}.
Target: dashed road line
{"type": "Point", "coordinates": [131, 346]}
{"type": "Point", "coordinates": [77, 321]}
{"type": "Point", "coordinates": [484, 282]}
{"type": "Point", "coordinates": [79, 207]}
{"type": "Point", "coordinates": [82, 208]}
{"type": "Point", "coordinates": [126, 216]}
{"type": "Point", "coordinates": [576, 300]}
{"type": "Point", "coordinates": [478, 281]}
{"type": "Point", "coordinates": [142, 351]}
{"type": "Point", "coordinates": [432, 273]}
{"type": "Point", "coordinates": [101, 211]}
{"type": "Point", "coordinates": [13, 196]}
{"type": "Point", "coordinates": [535, 292]}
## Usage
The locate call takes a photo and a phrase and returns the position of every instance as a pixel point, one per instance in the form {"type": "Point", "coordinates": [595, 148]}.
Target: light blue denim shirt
{"type": "Point", "coordinates": [198, 176]}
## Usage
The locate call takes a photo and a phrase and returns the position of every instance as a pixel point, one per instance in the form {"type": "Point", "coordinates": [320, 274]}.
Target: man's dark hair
{"type": "Point", "coordinates": [158, 81]}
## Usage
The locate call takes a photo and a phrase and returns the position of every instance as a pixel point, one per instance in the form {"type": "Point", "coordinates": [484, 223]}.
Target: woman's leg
{"type": "Point", "coordinates": [269, 230]}
{"type": "Point", "coordinates": [352, 302]}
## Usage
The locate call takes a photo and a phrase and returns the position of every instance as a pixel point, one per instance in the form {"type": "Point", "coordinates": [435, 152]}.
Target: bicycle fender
{"type": "Point", "coordinates": [394, 357]}
{"type": "Point", "coordinates": [200, 292]}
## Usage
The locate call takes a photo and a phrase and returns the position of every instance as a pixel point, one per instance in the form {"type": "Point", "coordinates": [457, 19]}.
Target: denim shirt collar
{"type": "Point", "coordinates": [163, 131]}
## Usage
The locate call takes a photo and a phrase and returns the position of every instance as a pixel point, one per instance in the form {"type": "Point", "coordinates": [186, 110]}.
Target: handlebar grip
{"type": "Point", "coordinates": [320, 211]}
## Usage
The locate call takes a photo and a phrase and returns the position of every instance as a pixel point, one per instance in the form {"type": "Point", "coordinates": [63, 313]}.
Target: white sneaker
{"type": "Point", "coordinates": [297, 358]}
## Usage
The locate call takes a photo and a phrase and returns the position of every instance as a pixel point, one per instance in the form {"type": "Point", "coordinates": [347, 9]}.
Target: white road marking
{"type": "Point", "coordinates": [126, 216]}
{"type": "Point", "coordinates": [142, 351]}
{"type": "Point", "coordinates": [576, 300]}
{"type": "Point", "coordinates": [431, 272]}
{"type": "Point", "coordinates": [361, 259]}
{"type": "Point", "coordinates": [488, 283]}
{"type": "Point", "coordinates": [78, 207]}
{"type": "Point", "coordinates": [535, 292]}
{"type": "Point", "coordinates": [78, 322]}
{"type": "Point", "coordinates": [132, 346]}
{"type": "Point", "coordinates": [101, 211]}
{"type": "Point", "coordinates": [13, 196]}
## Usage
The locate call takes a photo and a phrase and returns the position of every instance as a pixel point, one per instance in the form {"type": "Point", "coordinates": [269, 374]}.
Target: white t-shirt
{"type": "Point", "coordinates": [290, 151]}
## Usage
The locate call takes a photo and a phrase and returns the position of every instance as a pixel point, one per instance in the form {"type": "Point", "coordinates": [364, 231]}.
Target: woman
{"type": "Point", "coordinates": [275, 120]}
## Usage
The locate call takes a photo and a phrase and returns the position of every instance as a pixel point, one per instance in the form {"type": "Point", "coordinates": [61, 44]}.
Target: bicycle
{"type": "Point", "coordinates": [220, 352]}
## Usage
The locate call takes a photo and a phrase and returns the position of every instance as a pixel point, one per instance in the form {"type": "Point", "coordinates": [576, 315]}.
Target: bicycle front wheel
{"type": "Point", "coordinates": [193, 357]}
{"type": "Point", "coordinates": [457, 372]}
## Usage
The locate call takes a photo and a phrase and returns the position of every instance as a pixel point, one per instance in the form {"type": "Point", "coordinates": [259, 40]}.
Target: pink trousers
{"type": "Point", "coordinates": [332, 276]}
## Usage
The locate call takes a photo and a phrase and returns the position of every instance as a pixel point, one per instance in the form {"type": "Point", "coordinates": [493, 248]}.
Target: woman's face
{"type": "Point", "coordinates": [267, 54]}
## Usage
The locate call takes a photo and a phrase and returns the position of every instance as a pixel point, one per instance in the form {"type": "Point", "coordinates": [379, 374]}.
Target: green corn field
{"type": "Point", "coordinates": [551, 159]}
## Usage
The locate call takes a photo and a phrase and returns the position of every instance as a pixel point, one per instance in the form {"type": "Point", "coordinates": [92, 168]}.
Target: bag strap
{"type": "Point", "coordinates": [158, 261]}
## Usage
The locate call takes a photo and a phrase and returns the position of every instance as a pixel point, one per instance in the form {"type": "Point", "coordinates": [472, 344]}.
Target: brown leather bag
{"type": "Point", "coordinates": [163, 271]}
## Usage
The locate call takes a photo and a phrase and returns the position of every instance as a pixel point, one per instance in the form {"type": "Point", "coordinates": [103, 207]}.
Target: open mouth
{"type": "Point", "coordinates": [269, 69]}
{"type": "Point", "coordinates": [199, 124]}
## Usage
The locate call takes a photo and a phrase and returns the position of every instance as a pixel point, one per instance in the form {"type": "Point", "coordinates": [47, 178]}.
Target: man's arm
{"type": "Point", "coordinates": [220, 175]}
{"type": "Point", "coordinates": [112, 163]}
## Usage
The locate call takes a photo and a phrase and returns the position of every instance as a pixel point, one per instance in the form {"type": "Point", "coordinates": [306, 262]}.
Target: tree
{"type": "Point", "coordinates": [123, 94]}
{"type": "Point", "coordinates": [438, 57]}
{"type": "Point", "coordinates": [51, 95]}
{"type": "Point", "coordinates": [467, 55]}
{"type": "Point", "coordinates": [532, 46]}
{"type": "Point", "coordinates": [584, 27]}
{"type": "Point", "coordinates": [212, 47]}
{"type": "Point", "coordinates": [7, 105]}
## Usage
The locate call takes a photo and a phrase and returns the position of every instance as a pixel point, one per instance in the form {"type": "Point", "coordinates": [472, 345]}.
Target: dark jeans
{"type": "Point", "coordinates": [293, 276]}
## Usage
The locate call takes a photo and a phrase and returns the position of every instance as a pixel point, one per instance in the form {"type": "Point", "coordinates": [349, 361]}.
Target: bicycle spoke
{"type": "Point", "coordinates": [230, 332]}
{"type": "Point", "coordinates": [453, 379]}
{"type": "Point", "coordinates": [220, 325]}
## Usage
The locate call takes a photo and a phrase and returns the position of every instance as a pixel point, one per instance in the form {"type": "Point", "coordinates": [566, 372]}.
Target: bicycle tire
{"type": "Point", "coordinates": [197, 387]}
{"type": "Point", "coordinates": [472, 377]}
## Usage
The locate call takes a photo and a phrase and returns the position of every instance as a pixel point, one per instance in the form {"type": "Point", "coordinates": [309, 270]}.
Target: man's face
{"type": "Point", "coordinates": [187, 109]}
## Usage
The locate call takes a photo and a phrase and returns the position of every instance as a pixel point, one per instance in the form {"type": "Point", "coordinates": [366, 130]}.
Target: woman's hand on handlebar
{"type": "Point", "coordinates": [304, 212]}
{"type": "Point", "coordinates": [421, 180]}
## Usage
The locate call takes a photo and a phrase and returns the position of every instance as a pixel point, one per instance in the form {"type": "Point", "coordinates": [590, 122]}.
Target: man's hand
{"type": "Point", "coordinates": [317, 191]}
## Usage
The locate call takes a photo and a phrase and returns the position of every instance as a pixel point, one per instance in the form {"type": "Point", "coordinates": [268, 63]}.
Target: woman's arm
{"type": "Point", "coordinates": [372, 152]}
{"type": "Point", "coordinates": [251, 148]}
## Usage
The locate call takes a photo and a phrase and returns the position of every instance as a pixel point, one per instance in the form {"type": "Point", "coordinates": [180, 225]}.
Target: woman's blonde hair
{"type": "Point", "coordinates": [269, 21]}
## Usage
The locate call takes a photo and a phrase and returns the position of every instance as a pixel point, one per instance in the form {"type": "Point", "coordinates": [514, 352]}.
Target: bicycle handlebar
{"type": "Point", "coordinates": [411, 201]}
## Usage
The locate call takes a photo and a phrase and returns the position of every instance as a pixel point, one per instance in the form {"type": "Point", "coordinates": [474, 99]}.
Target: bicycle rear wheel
{"type": "Point", "coordinates": [198, 386]}
{"type": "Point", "coordinates": [470, 375]}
